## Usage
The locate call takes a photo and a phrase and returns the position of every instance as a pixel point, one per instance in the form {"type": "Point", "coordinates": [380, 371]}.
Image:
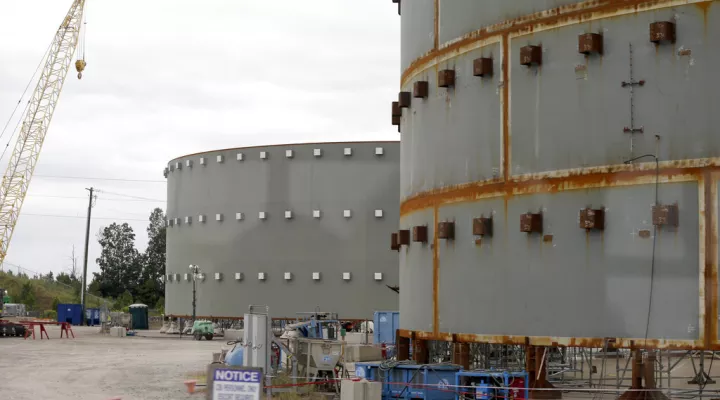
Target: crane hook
{"type": "Point", "coordinates": [80, 67]}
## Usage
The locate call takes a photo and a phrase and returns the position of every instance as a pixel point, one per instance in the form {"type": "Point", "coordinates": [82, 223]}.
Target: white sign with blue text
{"type": "Point", "coordinates": [234, 384]}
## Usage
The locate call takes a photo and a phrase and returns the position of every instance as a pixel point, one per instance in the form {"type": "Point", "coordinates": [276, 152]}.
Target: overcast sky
{"type": "Point", "coordinates": [171, 77]}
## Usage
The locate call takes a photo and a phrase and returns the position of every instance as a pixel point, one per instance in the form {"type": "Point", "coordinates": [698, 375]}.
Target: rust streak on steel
{"type": "Point", "coordinates": [436, 24]}
{"type": "Point", "coordinates": [560, 181]}
{"type": "Point", "coordinates": [714, 265]}
{"type": "Point", "coordinates": [548, 19]}
{"type": "Point", "coordinates": [506, 108]}
{"type": "Point", "coordinates": [703, 193]}
{"type": "Point", "coordinates": [557, 341]}
{"type": "Point", "coordinates": [436, 274]}
{"type": "Point", "coordinates": [710, 257]}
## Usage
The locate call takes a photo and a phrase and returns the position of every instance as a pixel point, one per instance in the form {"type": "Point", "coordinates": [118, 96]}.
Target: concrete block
{"type": "Point", "coordinates": [118, 331]}
{"type": "Point", "coordinates": [360, 353]}
{"type": "Point", "coordinates": [359, 338]}
{"type": "Point", "coordinates": [173, 329]}
{"type": "Point", "coordinates": [360, 390]}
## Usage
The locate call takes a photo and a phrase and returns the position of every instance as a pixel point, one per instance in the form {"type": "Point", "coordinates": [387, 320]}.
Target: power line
{"type": "Point", "coordinates": [81, 217]}
{"type": "Point", "coordinates": [128, 195]}
{"type": "Point", "coordinates": [32, 79]}
{"type": "Point", "coordinates": [97, 178]}
{"type": "Point", "coordinates": [104, 198]}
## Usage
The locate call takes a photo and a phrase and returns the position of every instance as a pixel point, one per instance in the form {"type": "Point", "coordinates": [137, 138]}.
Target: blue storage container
{"type": "Point", "coordinates": [493, 384]}
{"type": "Point", "coordinates": [367, 371]}
{"type": "Point", "coordinates": [385, 325]}
{"type": "Point", "coordinates": [429, 382]}
{"type": "Point", "coordinates": [71, 313]}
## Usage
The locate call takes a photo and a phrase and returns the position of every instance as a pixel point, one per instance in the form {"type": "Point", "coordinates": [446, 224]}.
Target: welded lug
{"type": "Point", "coordinates": [589, 43]}
{"type": "Point", "coordinates": [530, 55]}
{"type": "Point", "coordinates": [482, 226]}
{"type": "Point", "coordinates": [483, 67]}
{"type": "Point", "coordinates": [665, 215]}
{"type": "Point", "coordinates": [592, 219]}
{"type": "Point", "coordinates": [531, 223]}
{"type": "Point", "coordinates": [404, 99]}
{"type": "Point", "coordinates": [662, 31]}
{"type": "Point", "coordinates": [394, 242]}
{"type": "Point", "coordinates": [446, 78]}
{"type": "Point", "coordinates": [420, 89]}
{"type": "Point", "coordinates": [396, 111]}
{"type": "Point", "coordinates": [404, 237]}
{"type": "Point", "coordinates": [446, 230]}
{"type": "Point", "coordinates": [420, 234]}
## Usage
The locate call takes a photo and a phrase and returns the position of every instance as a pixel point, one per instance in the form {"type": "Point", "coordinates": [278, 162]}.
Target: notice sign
{"type": "Point", "coordinates": [234, 383]}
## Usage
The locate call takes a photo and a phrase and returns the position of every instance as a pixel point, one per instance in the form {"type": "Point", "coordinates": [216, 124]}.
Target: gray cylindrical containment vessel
{"type": "Point", "coordinates": [296, 227]}
{"type": "Point", "coordinates": [521, 158]}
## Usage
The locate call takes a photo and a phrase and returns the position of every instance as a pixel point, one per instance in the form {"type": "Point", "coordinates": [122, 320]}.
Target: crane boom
{"type": "Point", "coordinates": [36, 121]}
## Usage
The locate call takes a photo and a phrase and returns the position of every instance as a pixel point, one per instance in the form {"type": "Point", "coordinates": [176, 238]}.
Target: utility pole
{"type": "Point", "coordinates": [85, 260]}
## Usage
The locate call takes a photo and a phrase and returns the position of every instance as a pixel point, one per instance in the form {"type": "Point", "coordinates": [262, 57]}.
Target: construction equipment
{"type": "Point", "coordinates": [36, 121]}
{"type": "Point", "coordinates": [8, 328]}
{"type": "Point", "coordinates": [203, 329]}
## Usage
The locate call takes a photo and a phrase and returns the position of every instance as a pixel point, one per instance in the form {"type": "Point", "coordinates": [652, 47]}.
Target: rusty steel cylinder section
{"type": "Point", "coordinates": [584, 131]}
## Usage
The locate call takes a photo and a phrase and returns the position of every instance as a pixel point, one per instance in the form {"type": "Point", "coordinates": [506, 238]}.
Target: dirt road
{"type": "Point", "coordinates": [97, 367]}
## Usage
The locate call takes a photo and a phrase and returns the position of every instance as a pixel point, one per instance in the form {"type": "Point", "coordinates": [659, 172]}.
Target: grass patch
{"type": "Point", "coordinates": [45, 292]}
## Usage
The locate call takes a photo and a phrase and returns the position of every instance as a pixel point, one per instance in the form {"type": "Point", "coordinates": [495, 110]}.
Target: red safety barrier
{"type": "Point", "coordinates": [287, 385]}
{"type": "Point", "coordinates": [65, 328]}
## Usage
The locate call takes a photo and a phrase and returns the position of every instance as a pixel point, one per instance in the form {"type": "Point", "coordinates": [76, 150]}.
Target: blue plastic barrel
{"type": "Point", "coordinates": [235, 356]}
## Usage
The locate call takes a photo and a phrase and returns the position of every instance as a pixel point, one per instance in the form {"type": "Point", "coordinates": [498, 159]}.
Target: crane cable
{"type": "Point", "coordinates": [81, 63]}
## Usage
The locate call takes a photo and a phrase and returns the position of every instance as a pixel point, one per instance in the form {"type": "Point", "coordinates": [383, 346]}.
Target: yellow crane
{"type": "Point", "coordinates": [36, 121]}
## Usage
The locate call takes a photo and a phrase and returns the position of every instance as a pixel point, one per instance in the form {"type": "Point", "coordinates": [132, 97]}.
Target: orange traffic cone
{"type": "Point", "coordinates": [191, 386]}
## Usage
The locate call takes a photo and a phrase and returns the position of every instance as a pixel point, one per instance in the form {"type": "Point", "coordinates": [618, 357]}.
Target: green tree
{"type": "Point", "coordinates": [160, 306]}
{"type": "Point", "coordinates": [154, 257]}
{"type": "Point", "coordinates": [68, 280]}
{"type": "Point", "coordinates": [119, 261]}
{"type": "Point", "coordinates": [27, 295]}
{"type": "Point", "coordinates": [123, 301]}
{"type": "Point", "coordinates": [55, 303]}
{"type": "Point", "coordinates": [94, 288]}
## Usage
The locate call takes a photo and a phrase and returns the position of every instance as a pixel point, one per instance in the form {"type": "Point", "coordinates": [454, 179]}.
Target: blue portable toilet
{"type": "Point", "coordinates": [71, 313]}
{"type": "Point", "coordinates": [92, 316]}
{"type": "Point", "coordinates": [385, 324]}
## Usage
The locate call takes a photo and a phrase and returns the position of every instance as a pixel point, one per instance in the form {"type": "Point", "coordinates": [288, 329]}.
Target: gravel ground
{"type": "Point", "coordinates": [99, 367]}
